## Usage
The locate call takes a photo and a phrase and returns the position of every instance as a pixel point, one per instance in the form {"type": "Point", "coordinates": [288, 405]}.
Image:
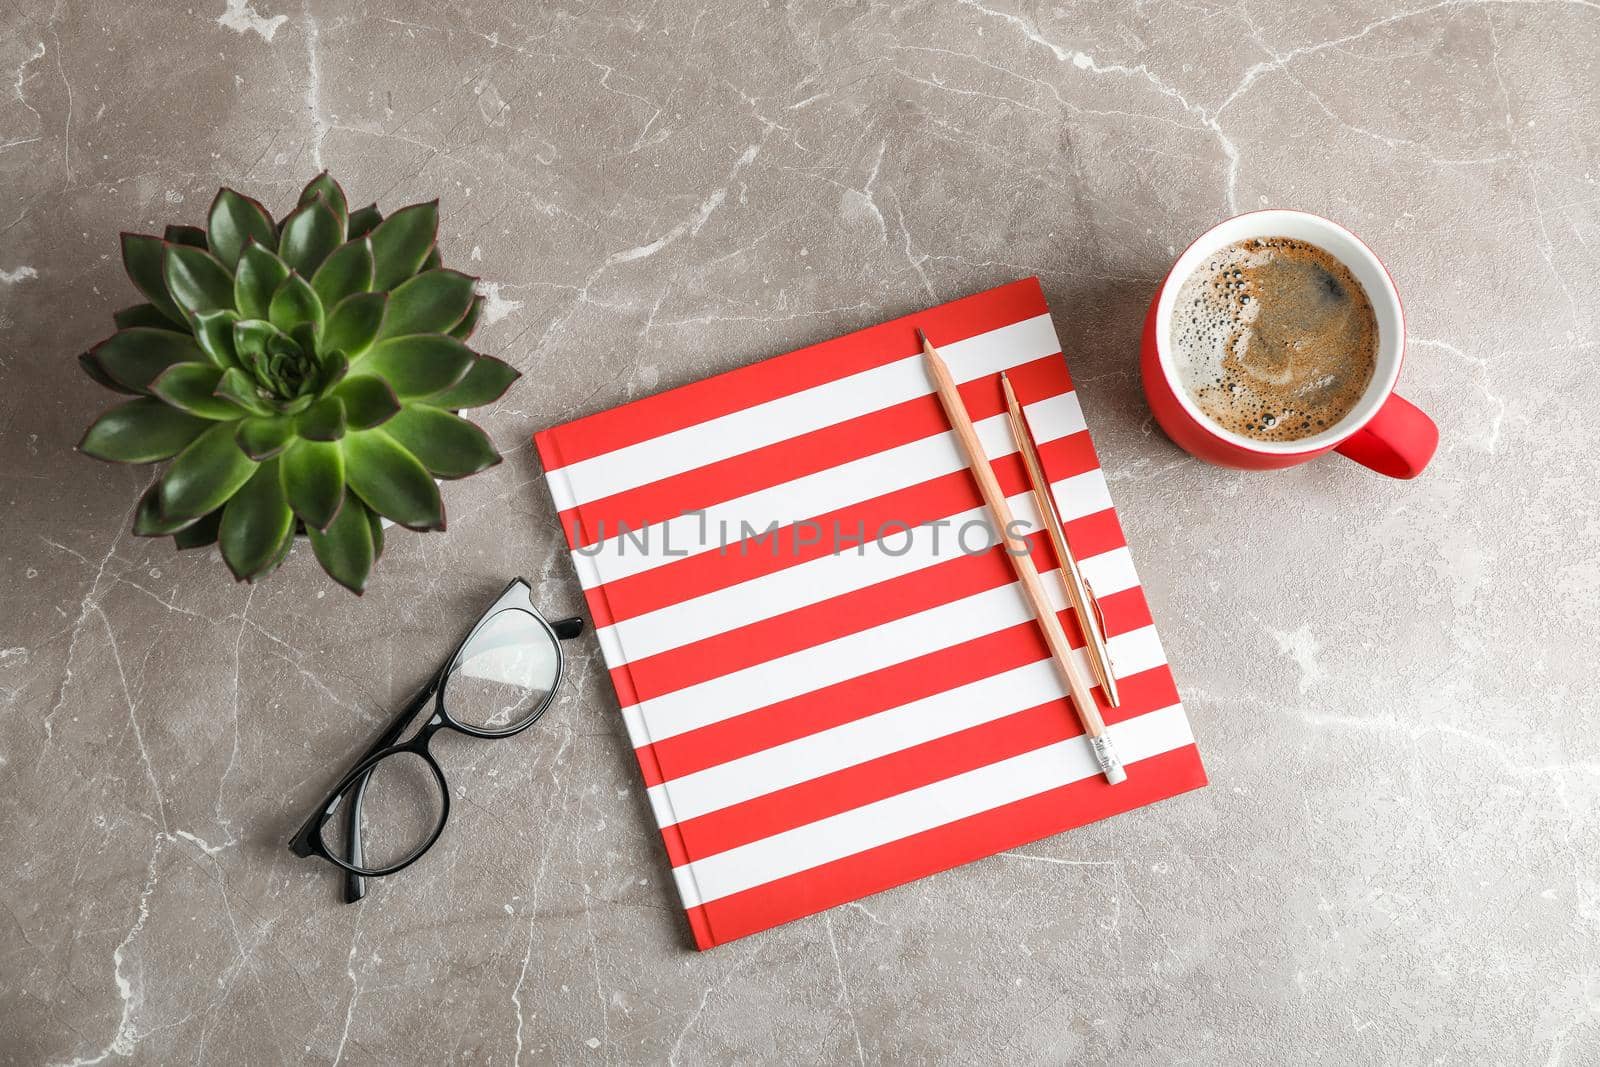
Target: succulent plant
{"type": "Point", "coordinates": [303, 376]}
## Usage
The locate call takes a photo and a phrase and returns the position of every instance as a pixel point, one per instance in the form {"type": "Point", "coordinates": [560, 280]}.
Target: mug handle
{"type": "Point", "coordinates": [1397, 441]}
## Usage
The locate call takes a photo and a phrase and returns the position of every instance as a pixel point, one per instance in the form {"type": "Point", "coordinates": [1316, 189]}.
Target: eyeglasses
{"type": "Point", "coordinates": [391, 806]}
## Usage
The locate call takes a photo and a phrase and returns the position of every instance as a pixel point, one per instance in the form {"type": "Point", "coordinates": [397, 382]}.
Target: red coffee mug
{"type": "Point", "coordinates": [1383, 431]}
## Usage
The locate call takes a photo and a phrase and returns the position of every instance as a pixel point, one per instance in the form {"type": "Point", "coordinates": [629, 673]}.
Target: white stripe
{"type": "Point", "coordinates": [852, 743]}
{"type": "Point", "coordinates": [815, 755]}
{"type": "Point", "coordinates": [924, 808]}
{"type": "Point", "coordinates": [856, 568]}
{"type": "Point", "coordinates": [1109, 572]}
{"type": "Point", "coordinates": [860, 653]}
{"type": "Point", "coordinates": [842, 571]}
{"type": "Point", "coordinates": [798, 413]}
{"type": "Point", "coordinates": [1131, 653]}
{"type": "Point", "coordinates": [631, 551]}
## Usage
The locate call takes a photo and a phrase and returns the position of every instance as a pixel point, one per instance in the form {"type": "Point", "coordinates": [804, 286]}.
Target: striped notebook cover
{"type": "Point", "coordinates": [846, 698]}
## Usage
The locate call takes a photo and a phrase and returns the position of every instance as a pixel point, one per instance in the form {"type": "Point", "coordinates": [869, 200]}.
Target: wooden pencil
{"type": "Point", "coordinates": [1016, 548]}
{"type": "Point", "coordinates": [1078, 591]}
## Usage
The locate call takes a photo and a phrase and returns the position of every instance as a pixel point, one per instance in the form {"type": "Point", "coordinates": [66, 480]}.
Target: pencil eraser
{"type": "Point", "coordinates": [1105, 756]}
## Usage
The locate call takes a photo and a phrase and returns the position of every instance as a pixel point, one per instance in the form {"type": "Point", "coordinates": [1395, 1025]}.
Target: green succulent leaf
{"type": "Point", "coordinates": [329, 190]}
{"type": "Point", "coordinates": [417, 365]}
{"type": "Point", "coordinates": [309, 234]}
{"type": "Point", "coordinates": [363, 221]}
{"type": "Point", "coordinates": [148, 520]}
{"type": "Point", "coordinates": [295, 303]}
{"type": "Point", "coordinates": [233, 222]}
{"type": "Point", "coordinates": [346, 548]}
{"type": "Point", "coordinates": [205, 474]}
{"type": "Point", "coordinates": [251, 338]}
{"type": "Point", "coordinates": [377, 531]}
{"type": "Point", "coordinates": [334, 367]}
{"type": "Point", "coordinates": [463, 329]}
{"type": "Point", "coordinates": [259, 274]}
{"type": "Point", "coordinates": [486, 381]}
{"type": "Point", "coordinates": [263, 438]}
{"type": "Point", "coordinates": [192, 387]}
{"type": "Point", "coordinates": [197, 280]}
{"type": "Point", "coordinates": [391, 481]}
{"type": "Point", "coordinates": [135, 357]}
{"type": "Point", "coordinates": [141, 431]}
{"type": "Point", "coordinates": [92, 367]}
{"type": "Point", "coordinates": [142, 257]}
{"type": "Point", "coordinates": [323, 420]}
{"type": "Point", "coordinates": [368, 401]}
{"type": "Point", "coordinates": [193, 236]}
{"type": "Point", "coordinates": [448, 445]}
{"type": "Point", "coordinates": [353, 324]}
{"type": "Point", "coordinates": [202, 533]}
{"type": "Point", "coordinates": [348, 269]}
{"type": "Point", "coordinates": [143, 315]}
{"type": "Point", "coordinates": [241, 389]}
{"type": "Point", "coordinates": [214, 331]}
{"type": "Point", "coordinates": [283, 553]}
{"type": "Point", "coordinates": [431, 302]}
{"type": "Point", "coordinates": [401, 242]}
{"type": "Point", "coordinates": [313, 480]}
{"type": "Point", "coordinates": [255, 524]}
{"type": "Point", "coordinates": [305, 336]}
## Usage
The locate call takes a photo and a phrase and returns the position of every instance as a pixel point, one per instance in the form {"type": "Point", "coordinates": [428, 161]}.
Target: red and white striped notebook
{"type": "Point", "coordinates": [818, 715]}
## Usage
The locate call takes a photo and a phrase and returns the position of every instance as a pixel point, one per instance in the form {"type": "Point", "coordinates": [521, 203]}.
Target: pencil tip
{"type": "Point", "coordinates": [922, 338]}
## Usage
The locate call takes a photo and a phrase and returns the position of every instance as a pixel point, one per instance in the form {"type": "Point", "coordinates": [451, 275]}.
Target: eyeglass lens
{"type": "Point", "coordinates": [502, 677]}
{"type": "Point", "coordinates": [400, 804]}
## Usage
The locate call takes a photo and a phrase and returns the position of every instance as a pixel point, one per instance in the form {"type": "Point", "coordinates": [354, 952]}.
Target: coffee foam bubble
{"type": "Point", "coordinates": [1274, 338]}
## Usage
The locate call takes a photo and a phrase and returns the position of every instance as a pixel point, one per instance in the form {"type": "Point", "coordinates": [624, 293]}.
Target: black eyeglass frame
{"type": "Point", "coordinates": [307, 841]}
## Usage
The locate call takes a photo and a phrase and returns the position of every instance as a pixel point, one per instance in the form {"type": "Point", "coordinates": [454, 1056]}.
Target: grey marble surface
{"type": "Point", "coordinates": [1392, 683]}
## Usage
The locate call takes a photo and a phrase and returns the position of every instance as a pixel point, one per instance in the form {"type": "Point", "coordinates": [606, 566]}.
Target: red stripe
{"type": "Point", "coordinates": [1089, 535]}
{"type": "Point", "coordinates": [699, 929]}
{"type": "Point", "coordinates": [841, 530]}
{"type": "Point", "coordinates": [1125, 611]}
{"type": "Point", "coordinates": [944, 847]}
{"type": "Point", "coordinates": [844, 701]}
{"type": "Point", "coordinates": [831, 446]}
{"type": "Point", "coordinates": [827, 620]}
{"type": "Point", "coordinates": [677, 851]}
{"type": "Point", "coordinates": [895, 773]}
{"type": "Point", "coordinates": [867, 694]}
{"type": "Point", "coordinates": [769, 379]}
{"type": "Point", "coordinates": [599, 607]}
{"type": "Point", "coordinates": [1093, 534]}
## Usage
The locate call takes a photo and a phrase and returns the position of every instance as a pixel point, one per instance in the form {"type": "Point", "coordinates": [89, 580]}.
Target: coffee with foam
{"type": "Point", "coordinates": [1274, 338]}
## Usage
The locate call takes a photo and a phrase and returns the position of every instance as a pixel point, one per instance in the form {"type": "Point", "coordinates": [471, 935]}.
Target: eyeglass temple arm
{"type": "Point", "coordinates": [568, 628]}
{"type": "Point", "coordinates": [355, 886]}
{"type": "Point", "coordinates": [301, 842]}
